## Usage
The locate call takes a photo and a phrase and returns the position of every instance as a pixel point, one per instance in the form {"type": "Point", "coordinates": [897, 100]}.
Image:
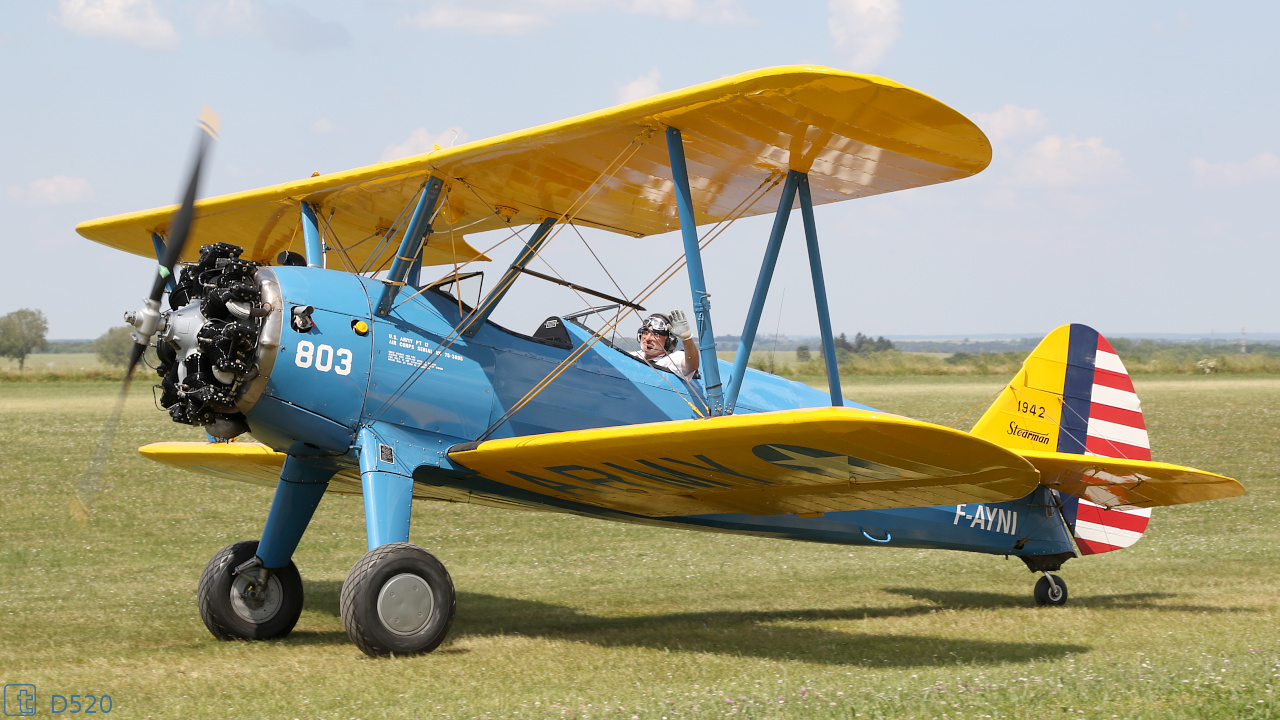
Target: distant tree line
{"type": "Point", "coordinates": [971, 347]}
{"type": "Point", "coordinates": [67, 347]}
{"type": "Point", "coordinates": [861, 344]}
{"type": "Point", "coordinates": [22, 333]}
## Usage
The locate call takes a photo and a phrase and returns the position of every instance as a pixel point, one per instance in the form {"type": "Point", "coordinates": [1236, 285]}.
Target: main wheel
{"type": "Point", "coordinates": [398, 600]}
{"type": "Point", "coordinates": [1051, 594]}
{"type": "Point", "coordinates": [243, 607]}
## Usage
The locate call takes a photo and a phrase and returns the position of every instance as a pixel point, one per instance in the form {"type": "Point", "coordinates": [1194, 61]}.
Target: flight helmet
{"type": "Point", "coordinates": [659, 325]}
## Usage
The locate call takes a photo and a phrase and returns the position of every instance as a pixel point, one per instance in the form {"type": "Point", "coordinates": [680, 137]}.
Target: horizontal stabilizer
{"type": "Point", "coordinates": [805, 462]}
{"type": "Point", "coordinates": [1117, 483]}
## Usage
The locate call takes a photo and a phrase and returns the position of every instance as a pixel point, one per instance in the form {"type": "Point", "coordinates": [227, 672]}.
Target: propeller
{"type": "Point", "coordinates": [146, 320]}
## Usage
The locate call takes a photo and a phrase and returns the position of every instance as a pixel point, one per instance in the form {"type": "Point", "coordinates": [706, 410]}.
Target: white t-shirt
{"type": "Point", "coordinates": [671, 361]}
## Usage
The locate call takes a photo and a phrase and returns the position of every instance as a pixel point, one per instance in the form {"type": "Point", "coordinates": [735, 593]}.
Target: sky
{"type": "Point", "coordinates": [1133, 184]}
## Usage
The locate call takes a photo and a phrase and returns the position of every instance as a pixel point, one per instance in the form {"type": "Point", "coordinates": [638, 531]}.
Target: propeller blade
{"type": "Point", "coordinates": [147, 319]}
{"type": "Point", "coordinates": [180, 226]}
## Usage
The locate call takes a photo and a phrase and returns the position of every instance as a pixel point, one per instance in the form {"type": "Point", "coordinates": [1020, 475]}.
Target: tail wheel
{"type": "Point", "coordinates": [1050, 590]}
{"type": "Point", "coordinates": [398, 600]}
{"type": "Point", "coordinates": [256, 604]}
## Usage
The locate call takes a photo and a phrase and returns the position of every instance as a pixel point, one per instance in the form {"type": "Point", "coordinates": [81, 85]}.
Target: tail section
{"type": "Point", "coordinates": [1073, 396]}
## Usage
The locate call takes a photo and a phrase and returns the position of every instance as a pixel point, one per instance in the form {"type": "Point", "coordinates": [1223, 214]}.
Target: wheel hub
{"type": "Point", "coordinates": [255, 601]}
{"type": "Point", "coordinates": [405, 604]}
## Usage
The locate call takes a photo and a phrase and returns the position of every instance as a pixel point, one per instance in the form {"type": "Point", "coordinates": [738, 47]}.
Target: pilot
{"type": "Point", "coordinates": [657, 337]}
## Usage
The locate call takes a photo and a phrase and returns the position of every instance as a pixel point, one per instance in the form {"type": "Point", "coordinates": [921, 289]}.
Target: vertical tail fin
{"type": "Point", "coordinates": [1073, 395]}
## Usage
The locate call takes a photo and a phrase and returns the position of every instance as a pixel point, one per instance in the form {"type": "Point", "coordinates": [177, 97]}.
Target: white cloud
{"type": "Point", "coordinates": [133, 21]}
{"type": "Point", "coordinates": [421, 141]}
{"type": "Point", "coordinates": [519, 17]}
{"type": "Point", "coordinates": [715, 12]}
{"type": "Point", "coordinates": [481, 22]}
{"type": "Point", "coordinates": [1264, 166]}
{"type": "Point", "coordinates": [285, 26]}
{"type": "Point", "coordinates": [1060, 162]}
{"type": "Point", "coordinates": [233, 16]}
{"type": "Point", "coordinates": [56, 190]}
{"type": "Point", "coordinates": [323, 127]}
{"type": "Point", "coordinates": [1010, 121]}
{"type": "Point", "coordinates": [864, 28]}
{"type": "Point", "coordinates": [641, 87]}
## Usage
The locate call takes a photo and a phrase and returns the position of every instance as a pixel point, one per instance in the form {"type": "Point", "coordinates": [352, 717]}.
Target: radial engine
{"type": "Point", "coordinates": [217, 343]}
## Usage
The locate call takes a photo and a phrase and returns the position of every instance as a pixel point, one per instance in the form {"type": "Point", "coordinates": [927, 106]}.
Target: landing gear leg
{"type": "Point", "coordinates": [1051, 590]}
{"type": "Point", "coordinates": [398, 599]}
{"type": "Point", "coordinates": [252, 590]}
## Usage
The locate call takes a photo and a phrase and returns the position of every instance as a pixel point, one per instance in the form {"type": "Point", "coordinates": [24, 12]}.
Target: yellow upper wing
{"type": "Point", "coordinates": [856, 135]}
{"type": "Point", "coordinates": [794, 461]}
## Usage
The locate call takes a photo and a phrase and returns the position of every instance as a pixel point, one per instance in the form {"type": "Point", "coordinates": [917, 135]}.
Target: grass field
{"type": "Point", "coordinates": [55, 363]}
{"type": "Point", "coordinates": [562, 617]}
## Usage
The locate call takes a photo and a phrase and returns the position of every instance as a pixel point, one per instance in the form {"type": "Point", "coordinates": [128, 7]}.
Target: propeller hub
{"type": "Point", "coordinates": [147, 320]}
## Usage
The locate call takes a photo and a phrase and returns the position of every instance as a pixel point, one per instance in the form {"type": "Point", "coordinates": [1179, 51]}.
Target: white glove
{"type": "Point", "coordinates": [680, 326]}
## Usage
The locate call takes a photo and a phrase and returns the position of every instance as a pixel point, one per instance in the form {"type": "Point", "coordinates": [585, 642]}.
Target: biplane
{"type": "Point", "coordinates": [301, 316]}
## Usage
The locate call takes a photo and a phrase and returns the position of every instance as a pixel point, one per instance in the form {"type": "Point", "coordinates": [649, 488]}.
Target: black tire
{"type": "Point", "coordinates": [1047, 594]}
{"type": "Point", "coordinates": [381, 609]}
{"type": "Point", "coordinates": [240, 618]}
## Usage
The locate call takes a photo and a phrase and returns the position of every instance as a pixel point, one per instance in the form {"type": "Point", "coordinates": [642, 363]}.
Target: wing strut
{"type": "Point", "coordinates": [796, 182]}
{"type": "Point", "coordinates": [697, 282]}
{"type": "Point", "coordinates": [472, 323]}
{"type": "Point", "coordinates": [311, 236]}
{"type": "Point", "coordinates": [410, 243]}
{"type": "Point", "coordinates": [820, 293]}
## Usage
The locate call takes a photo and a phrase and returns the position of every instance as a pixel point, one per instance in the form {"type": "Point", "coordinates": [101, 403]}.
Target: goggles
{"type": "Point", "coordinates": [657, 326]}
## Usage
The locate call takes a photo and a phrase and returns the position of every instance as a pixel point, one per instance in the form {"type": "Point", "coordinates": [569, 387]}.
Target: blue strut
{"type": "Point", "coordinates": [302, 484]}
{"type": "Point", "coordinates": [762, 290]}
{"type": "Point", "coordinates": [710, 364]}
{"type": "Point", "coordinates": [311, 237]}
{"type": "Point", "coordinates": [388, 495]}
{"type": "Point", "coordinates": [820, 294]}
{"type": "Point", "coordinates": [472, 323]}
{"type": "Point", "coordinates": [410, 244]}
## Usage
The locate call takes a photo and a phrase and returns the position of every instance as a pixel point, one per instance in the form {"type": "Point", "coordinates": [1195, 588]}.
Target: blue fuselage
{"type": "Point", "coordinates": [411, 376]}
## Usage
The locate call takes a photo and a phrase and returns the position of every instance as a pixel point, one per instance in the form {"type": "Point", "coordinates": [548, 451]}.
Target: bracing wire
{"type": "Point", "coordinates": [567, 218]}
{"type": "Point", "coordinates": [599, 184]}
{"type": "Point", "coordinates": [385, 241]}
{"type": "Point", "coordinates": [1119, 453]}
{"type": "Point", "coordinates": [337, 244]}
{"type": "Point", "coordinates": [981, 404]}
{"type": "Point", "coordinates": [767, 184]}
{"type": "Point", "coordinates": [598, 262]}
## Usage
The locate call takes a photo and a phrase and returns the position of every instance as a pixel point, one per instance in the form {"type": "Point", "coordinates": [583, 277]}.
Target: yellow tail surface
{"type": "Point", "coordinates": [1073, 413]}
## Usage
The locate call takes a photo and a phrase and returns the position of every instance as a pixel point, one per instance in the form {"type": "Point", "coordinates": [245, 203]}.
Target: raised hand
{"type": "Point", "coordinates": [680, 326]}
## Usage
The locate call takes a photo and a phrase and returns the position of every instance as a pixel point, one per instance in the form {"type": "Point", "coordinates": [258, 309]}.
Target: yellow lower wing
{"type": "Point", "coordinates": [1119, 483]}
{"type": "Point", "coordinates": [258, 464]}
{"type": "Point", "coordinates": [805, 462]}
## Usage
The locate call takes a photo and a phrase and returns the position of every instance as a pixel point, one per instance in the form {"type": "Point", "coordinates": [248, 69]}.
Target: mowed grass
{"type": "Point", "coordinates": [561, 616]}
{"type": "Point", "coordinates": [54, 363]}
